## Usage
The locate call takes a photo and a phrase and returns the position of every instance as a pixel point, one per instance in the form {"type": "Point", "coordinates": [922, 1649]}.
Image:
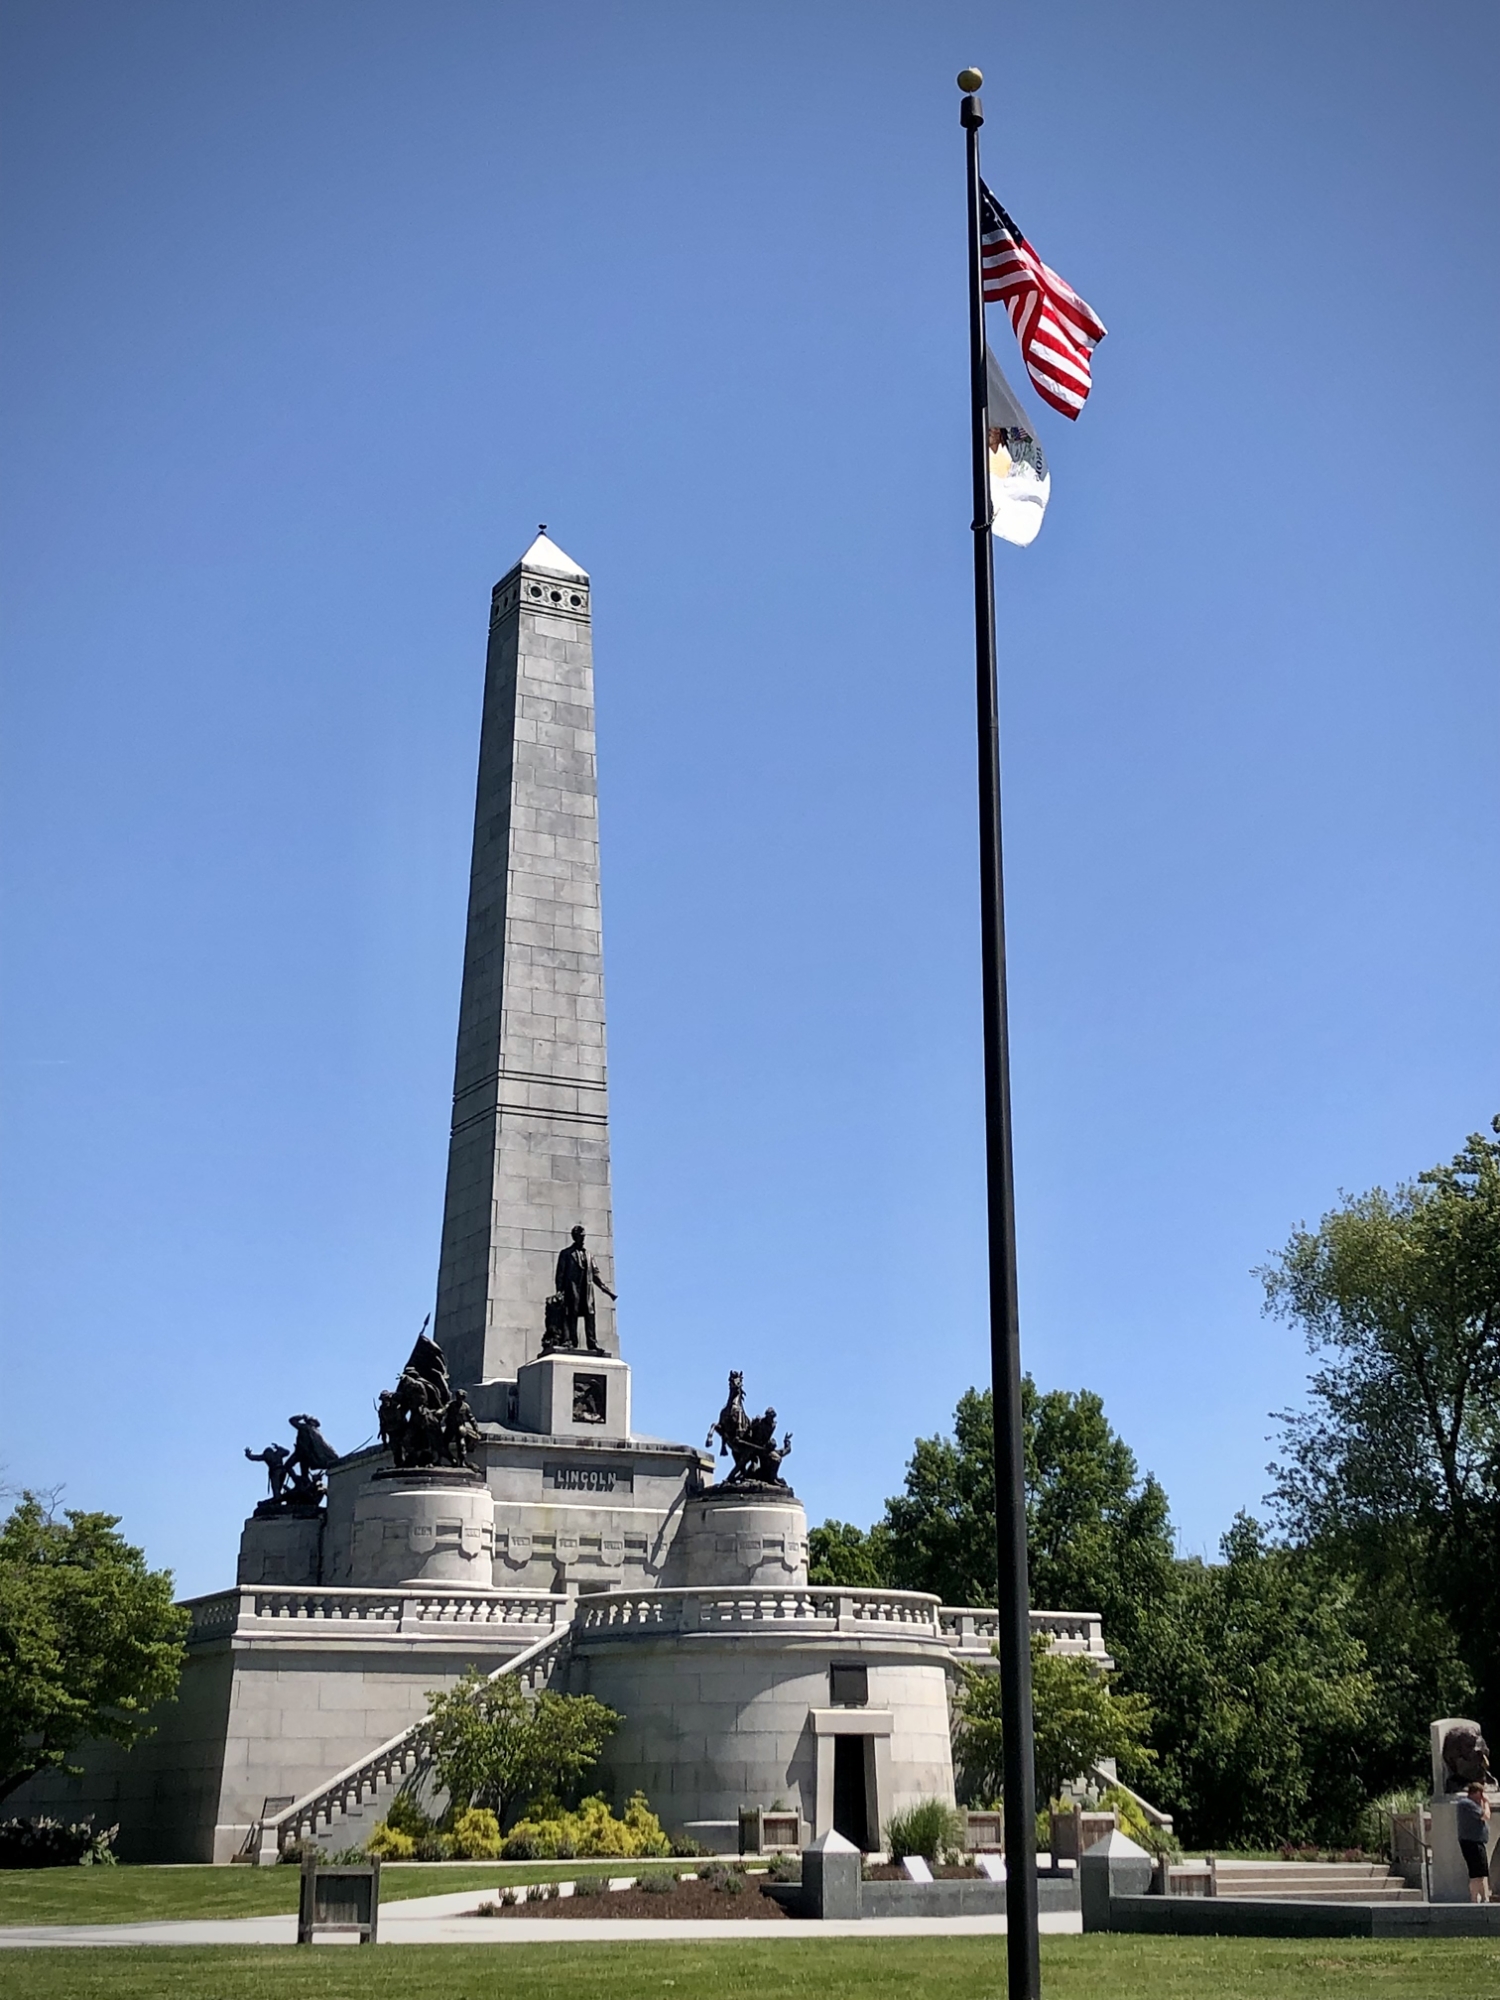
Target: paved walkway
{"type": "Point", "coordinates": [447, 1920]}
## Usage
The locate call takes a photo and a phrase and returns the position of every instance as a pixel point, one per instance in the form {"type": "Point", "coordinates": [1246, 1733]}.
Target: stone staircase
{"type": "Point", "coordinates": [1309, 1882]}
{"type": "Point", "coordinates": [349, 1803]}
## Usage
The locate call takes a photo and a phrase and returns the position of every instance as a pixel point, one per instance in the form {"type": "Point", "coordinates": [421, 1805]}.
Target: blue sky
{"type": "Point", "coordinates": [309, 316]}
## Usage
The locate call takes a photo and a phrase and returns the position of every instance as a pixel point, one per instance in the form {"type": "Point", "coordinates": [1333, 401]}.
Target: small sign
{"type": "Point", "coordinates": [589, 1479]}
{"type": "Point", "coordinates": [992, 1866]}
{"type": "Point", "coordinates": [915, 1869]}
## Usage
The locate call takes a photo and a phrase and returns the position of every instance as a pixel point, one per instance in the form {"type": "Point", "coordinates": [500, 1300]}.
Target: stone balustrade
{"type": "Point", "coordinates": [971, 1631]}
{"type": "Point", "coordinates": [259, 1608]}
{"type": "Point", "coordinates": [752, 1608]}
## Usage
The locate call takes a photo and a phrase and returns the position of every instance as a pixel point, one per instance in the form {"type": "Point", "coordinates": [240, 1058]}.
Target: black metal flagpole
{"type": "Point", "coordinates": [1022, 1948]}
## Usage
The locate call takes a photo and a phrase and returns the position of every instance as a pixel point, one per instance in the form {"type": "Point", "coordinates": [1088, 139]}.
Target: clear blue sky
{"type": "Point", "coordinates": [310, 315]}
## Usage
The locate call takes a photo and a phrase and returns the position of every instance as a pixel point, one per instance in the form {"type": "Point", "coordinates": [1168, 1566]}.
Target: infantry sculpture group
{"type": "Point", "coordinates": [423, 1420]}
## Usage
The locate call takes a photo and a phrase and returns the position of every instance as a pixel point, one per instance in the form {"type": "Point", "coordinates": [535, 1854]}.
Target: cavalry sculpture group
{"type": "Point", "coordinates": [750, 1441]}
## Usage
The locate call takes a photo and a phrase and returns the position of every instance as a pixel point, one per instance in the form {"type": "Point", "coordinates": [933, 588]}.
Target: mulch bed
{"type": "Point", "coordinates": [687, 1900]}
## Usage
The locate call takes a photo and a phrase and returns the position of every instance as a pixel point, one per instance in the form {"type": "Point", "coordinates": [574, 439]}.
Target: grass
{"type": "Point", "coordinates": [1078, 1968]}
{"type": "Point", "coordinates": [157, 1895]}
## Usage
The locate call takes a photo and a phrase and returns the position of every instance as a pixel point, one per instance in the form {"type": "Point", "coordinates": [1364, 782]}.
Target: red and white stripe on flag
{"type": "Point", "coordinates": [1057, 331]}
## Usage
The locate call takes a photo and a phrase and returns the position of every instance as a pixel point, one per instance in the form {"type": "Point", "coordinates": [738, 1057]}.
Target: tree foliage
{"type": "Point", "coordinates": [494, 1746]}
{"type": "Point", "coordinates": [1077, 1720]}
{"type": "Point", "coordinates": [1393, 1469]}
{"type": "Point", "coordinates": [1263, 1699]}
{"type": "Point", "coordinates": [90, 1640]}
{"type": "Point", "coordinates": [840, 1553]}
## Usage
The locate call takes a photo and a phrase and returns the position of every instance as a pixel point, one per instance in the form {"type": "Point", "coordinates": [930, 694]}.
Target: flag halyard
{"type": "Point", "coordinates": [1057, 330]}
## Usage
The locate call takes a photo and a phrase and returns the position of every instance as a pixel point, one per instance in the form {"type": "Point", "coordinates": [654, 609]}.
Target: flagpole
{"type": "Point", "coordinates": [1022, 1946]}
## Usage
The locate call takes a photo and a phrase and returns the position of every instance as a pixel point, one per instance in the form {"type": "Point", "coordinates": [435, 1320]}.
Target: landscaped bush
{"type": "Point", "coordinates": [1155, 1839]}
{"type": "Point", "coordinates": [930, 1829]}
{"type": "Point", "coordinates": [475, 1836]}
{"type": "Point", "coordinates": [591, 1830]}
{"type": "Point", "coordinates": [658, 1884]}
{"type": "Point", "coordinates": [388, 1843]}
{"type": "Point", "coordinates": [47, 1843]}
{"type": "Point", "coordinates": [406, 1816]}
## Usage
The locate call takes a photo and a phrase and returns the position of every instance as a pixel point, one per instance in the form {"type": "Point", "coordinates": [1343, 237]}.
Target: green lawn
{"type": "Point", "coordinates": [1082, 1968]}
{"type": "Point", "coordinates": [146, 1895]}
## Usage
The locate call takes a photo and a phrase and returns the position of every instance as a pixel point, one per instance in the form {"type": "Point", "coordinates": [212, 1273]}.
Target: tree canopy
{"type": "Point", "coordinates": [494, 1746]}
{"type": "Point", "coordinates": [1077, 1720]}
{"type": "Point", "coordinates": [1392, 1470]}
{"type": "Point", "coordinates": [90, 1640]}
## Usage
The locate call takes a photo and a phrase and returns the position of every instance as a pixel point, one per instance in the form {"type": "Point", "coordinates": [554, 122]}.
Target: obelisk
{"type": "Point", "coordinates": [529, 1152]}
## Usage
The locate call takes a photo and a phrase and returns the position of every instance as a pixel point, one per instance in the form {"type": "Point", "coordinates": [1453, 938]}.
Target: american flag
{"type": "Point", "coordinates": [1057, 331]}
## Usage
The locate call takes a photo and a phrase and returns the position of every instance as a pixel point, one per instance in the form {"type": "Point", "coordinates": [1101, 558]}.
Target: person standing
{"type": "Point", "coordinates": [1472, 1811]}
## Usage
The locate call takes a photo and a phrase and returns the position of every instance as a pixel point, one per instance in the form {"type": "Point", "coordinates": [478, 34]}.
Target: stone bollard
{"type": "Point", "coordinates": [830, 1877]}
{"type": "Point", "coordinates": [1114, 1866]}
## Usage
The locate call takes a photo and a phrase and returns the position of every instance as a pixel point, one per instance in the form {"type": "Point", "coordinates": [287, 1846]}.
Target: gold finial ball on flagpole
{"type": "Point", "coordinates": [970, 79]}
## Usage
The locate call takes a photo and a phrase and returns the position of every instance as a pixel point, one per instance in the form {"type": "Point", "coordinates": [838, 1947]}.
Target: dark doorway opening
{"type": "Point", "coordinates": [851, 1816]}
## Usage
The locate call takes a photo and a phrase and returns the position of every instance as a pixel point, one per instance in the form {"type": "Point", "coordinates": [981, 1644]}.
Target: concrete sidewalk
{"type": "Point", "coordinates": [449, 1920]}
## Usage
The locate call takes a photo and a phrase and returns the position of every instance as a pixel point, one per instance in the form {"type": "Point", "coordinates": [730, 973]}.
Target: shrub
{"type": "Point", "coordinates": [685, 1848]}
{"type": "Point", "coordinates": [1373, 1827]}
{"type": "Point", "coordinates": [591, 1830]}
{"type": "Point", "coordinates": [786, 1868]}
{"type": "Point", "coordinates": [930, 1829]}
{"type": "Point", "coordinates": [406, 1816]}
{"type": "Point", "coordinates": [432, 1847]}
{"type": "Point", "coordinates": [476, 1836]}
{"type": "Point", "coordinates": [1155, 1839]}
{"type": "Point", "coordinates": [386, 1843]}
{"type": "Point", "coordinates": [588, 1885]}
{"type": "Point", "coordinates": [658, 1883]}
{"type": "Point", "coordinates": [47, 1843]}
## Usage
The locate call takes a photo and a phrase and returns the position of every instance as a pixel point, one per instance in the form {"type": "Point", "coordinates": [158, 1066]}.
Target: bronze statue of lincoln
{"type": "Point", "coordinates": [577, 1275]}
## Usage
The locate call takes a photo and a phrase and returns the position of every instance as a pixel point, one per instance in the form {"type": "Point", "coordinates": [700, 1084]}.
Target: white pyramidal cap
{"type": "Point", "coordinates": [544, 554]}
{"type": "Point", "coordinates": [831, 1843]}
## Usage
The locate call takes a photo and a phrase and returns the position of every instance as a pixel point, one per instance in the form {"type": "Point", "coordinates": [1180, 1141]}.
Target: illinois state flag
{"type": "Point", "coordinates": [1019, 480]}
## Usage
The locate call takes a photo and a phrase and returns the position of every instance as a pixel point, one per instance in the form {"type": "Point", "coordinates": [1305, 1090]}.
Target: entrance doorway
{"type": "Point", "coordinates": [851, 1810]}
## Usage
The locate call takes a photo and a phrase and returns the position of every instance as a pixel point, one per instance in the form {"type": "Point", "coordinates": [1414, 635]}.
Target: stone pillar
{"type": "Point", "coordinates": [731, 1537]}
{"type": "Point", "coordinates": [831, 1877]}
{"type": "Point", "coordinates": [1113, 1866]}
{"type": "Point", "coordinates": [284, 1546]}
{"type": "Point", "coordinates": [424, 1526]}
{"type": "Point", "coordinates": [529, 1152]}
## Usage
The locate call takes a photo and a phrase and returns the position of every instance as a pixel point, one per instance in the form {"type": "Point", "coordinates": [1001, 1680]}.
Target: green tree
{"type": "Point", "coordinates": [838, 1552]}
{"type": "Point", "coordinates": [1077, 1720]}
{"type": "Point", "coordinates": [1099, 1534]}
{"type": "Point", "coordinates": [1263, 1699]}
{"type": "Point", "coordinates": [1392, 1472]}
{"type": "Point", "coordinates": [90, 1640]}
{"type": "Point", "coordinates": [494, 1746]}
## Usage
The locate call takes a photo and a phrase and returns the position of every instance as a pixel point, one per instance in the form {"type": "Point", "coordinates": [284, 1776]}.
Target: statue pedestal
{"type": "Point", "coordinates": [734, 1536]}
{"type": "Point", "coordinates": [282, 1546]}
{"type": "Point", "coordinates": [572, 1393]}
{"type": "Point", "coordinates": [427, 1525]}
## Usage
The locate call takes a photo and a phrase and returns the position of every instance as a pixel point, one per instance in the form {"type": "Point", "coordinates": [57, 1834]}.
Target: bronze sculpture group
{"type": "Point", "coordinates": [423, 1420]}
{"type": "Point", "coordinates": [750, 1441]}
{"type": "Point", "coordinates": [296, 1474]}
